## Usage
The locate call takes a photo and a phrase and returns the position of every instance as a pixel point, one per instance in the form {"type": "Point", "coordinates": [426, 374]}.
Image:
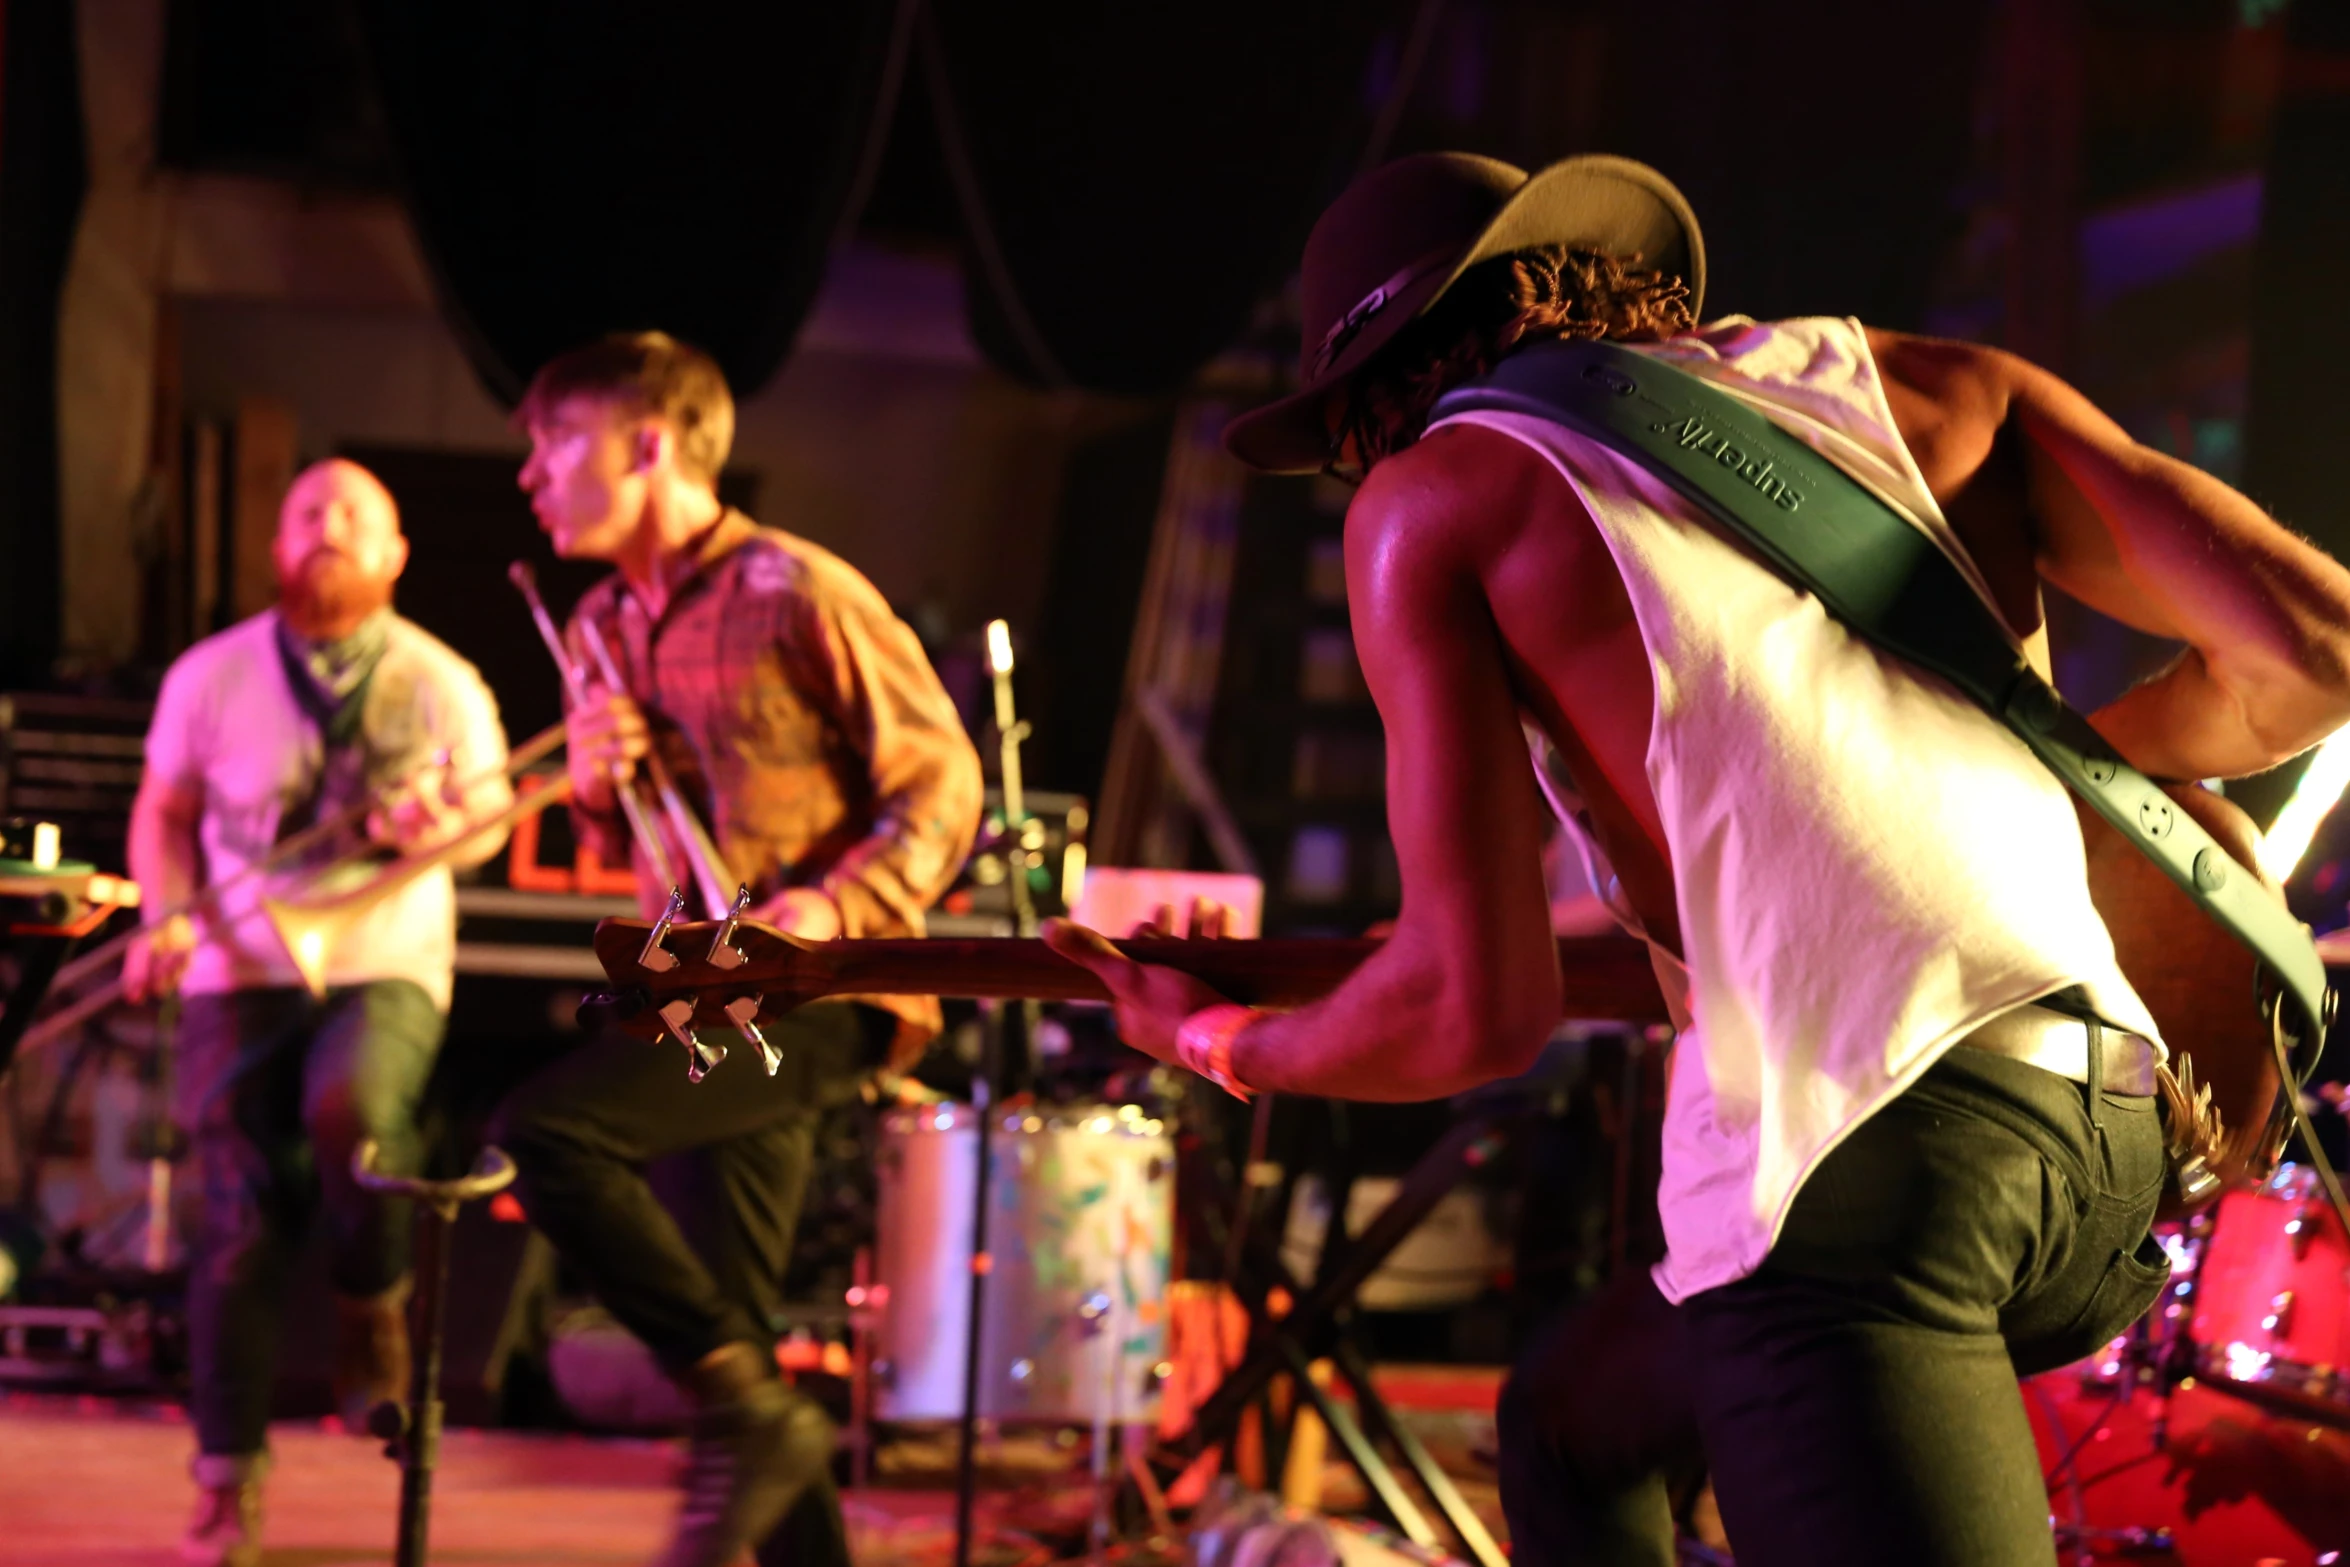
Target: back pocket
{"type": "Point", "coordinates": [2133, 1281]}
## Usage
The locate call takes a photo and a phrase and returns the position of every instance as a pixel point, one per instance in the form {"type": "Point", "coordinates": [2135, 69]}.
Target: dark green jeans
{"type": "Point", "coordinates": [276, 1090]}
{"type": "Point", "coordinates": [1855, 1400]}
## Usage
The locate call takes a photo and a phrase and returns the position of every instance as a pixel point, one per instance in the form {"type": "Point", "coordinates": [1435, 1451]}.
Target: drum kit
{"type": "Point", "coordinates": [2217, 1433]}
{"type": "Point", "coordinates": [1080, 1240]}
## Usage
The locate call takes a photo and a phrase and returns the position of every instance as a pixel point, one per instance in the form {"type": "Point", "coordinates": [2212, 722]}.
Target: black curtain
{"type": "Point", "coordinates": [42, 177]}
{"type": "Point", "coordinates": [1820, 142]}
{"type": "Point", "coordinates": [1135, 179]}
{"type": "Point", "coordinates": [2295, 401]}
{"type": "Point", "coordinates": [575, 167]}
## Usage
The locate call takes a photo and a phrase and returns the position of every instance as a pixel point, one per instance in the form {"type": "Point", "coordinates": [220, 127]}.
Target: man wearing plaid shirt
{"type": "Point", "coordinates": [801, 719]}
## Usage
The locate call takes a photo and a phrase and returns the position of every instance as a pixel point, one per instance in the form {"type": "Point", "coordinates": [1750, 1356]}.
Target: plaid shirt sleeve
{"type": "Point", "coordinates": [927, 790]}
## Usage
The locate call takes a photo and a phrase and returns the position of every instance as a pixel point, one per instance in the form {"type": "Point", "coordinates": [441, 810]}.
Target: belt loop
{"type": "Point", "coordinates": [2096, 1083]}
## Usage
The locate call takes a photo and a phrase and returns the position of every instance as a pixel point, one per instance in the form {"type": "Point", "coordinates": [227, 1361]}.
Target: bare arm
{"type": "Point", "coordinates": [2165, 547]}
{"type": "Point", "coordinates": [1467, 988]}
{"type": "Point", "coordinates": [166, 860]}
{"type": "Point", "coordinates": [2160, 545]}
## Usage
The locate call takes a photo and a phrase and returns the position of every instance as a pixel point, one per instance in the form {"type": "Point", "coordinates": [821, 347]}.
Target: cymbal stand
{"type": "Point", "coordinates": [2172, 1357]}
{"type": "Point", "coordinates": [1008, 1034]}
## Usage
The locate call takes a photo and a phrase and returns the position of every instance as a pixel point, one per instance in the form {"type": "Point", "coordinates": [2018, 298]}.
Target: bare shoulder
{"type": "Point", "coordinates": [1943, 385]}
{"type": "Point", "coordinates": [1453, 501]}
{"type": "Point", "coordinates": [1958, 377]}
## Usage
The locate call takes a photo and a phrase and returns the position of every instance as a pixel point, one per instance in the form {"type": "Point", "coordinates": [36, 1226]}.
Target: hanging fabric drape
{"type": "Point", "coordinates": [1134, 180]}
{"type": "Point", "coordinates": [42, 180]}
{"type": "Point", "coordinates": [581, 166]}
{"type": "Point", "coordinates": [2295, 399]}
{"type": "Point", "coordinates": [1823, 178]}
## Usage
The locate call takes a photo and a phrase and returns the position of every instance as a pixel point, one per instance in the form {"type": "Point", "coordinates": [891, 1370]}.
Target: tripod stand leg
{"type": "Point", "coordinates": [1393, 1499]}
{"type": "Point", "coordinates": [1006, 1018]}
{"type": "Point", "coordinates": [1423, 1186]}
{"type": "Point", "coordinates": [1381, 1421]}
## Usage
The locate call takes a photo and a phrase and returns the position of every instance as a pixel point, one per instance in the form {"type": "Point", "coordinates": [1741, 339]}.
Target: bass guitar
{"type": "Point", "coordinates": [680, 980]}
{"type": "Point", "coordinates": [685, 980]}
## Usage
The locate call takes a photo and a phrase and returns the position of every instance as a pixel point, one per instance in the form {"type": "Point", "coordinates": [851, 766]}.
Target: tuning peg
{"type": "Point", "coordinates": [706, 1056]}
{"type": "Point", "coordinates": [723, 952]}
{"type": "Point", "coordinates": [743, 1013]}
{"type": "Point", "coordinates": [677, 1019]}
{"type": "Point", "coordinates": [655, 957]}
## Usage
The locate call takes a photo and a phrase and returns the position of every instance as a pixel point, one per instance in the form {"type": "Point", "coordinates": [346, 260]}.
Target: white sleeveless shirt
{"type": "Point", "coordinates": [1867, 865]}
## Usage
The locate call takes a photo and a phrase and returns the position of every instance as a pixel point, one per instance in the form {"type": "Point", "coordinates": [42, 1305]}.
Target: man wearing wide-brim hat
{"type": "Point", "coordinates": [1891, 1179]}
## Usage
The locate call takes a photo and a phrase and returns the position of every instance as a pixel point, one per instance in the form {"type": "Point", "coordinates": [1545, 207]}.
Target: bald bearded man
{"type": "Point", "coordinates": [283, 720]}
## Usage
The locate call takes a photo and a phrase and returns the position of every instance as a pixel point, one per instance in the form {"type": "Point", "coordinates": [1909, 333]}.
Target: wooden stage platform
{"type": "Point", "coordinates": [97, 1482]}
{"type": "Point", "coordinates": [91, 1483]}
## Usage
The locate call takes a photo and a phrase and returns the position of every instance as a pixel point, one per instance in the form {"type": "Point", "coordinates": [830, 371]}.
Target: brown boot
{"type": "Point", "coordinates": [226, 1528]}
{"type": "Point", "coordinates": [371, 1353]}
{"type": "Point", "coordinates": [757, 1449]}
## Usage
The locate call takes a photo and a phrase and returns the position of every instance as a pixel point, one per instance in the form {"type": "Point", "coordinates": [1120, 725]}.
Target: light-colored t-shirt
{"type": "Point", "coordinates": [227, 725]}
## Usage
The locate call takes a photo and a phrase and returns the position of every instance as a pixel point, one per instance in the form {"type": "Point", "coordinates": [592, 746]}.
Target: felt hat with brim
{"type": "Point", "coordinates": [1401, 235]}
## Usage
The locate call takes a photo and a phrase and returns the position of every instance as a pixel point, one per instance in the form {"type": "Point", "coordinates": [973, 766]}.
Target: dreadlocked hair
{"type": "Point", "coordinates": [1528, 296]}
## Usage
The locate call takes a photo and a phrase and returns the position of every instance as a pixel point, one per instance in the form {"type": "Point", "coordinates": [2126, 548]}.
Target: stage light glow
{"type": "Point", "coordinates": [2312, 801]}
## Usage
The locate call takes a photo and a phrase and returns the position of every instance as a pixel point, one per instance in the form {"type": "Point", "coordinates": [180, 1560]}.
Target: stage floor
{"type": "Point", "coordinates": [91, 1482]}
{"type": "Point", "coordinates": [101, 1486]}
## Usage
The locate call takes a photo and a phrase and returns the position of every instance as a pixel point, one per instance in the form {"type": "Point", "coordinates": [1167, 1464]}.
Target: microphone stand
{"type": "Point", "coordinates": [1013, 1027]}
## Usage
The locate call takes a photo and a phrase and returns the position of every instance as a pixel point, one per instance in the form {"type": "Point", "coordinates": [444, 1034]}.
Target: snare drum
{"type": "Point", "coordinates": [1080, 1235]}
{"type": "Point", "coordinates": [2272, 1297]}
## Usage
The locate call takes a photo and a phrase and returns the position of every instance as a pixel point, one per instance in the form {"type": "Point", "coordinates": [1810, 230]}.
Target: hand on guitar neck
{"type": "Point", "coordinates": [2193, 976]}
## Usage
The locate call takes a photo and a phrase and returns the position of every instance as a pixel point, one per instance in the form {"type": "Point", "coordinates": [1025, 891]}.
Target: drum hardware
{"type": "Point", "coordinates": [867, 1300]}
{"type": "Point", "coordinates": [1307, 1331]}
{"type": "Point", "coordinates": [2222, 1484]}
{"type": "Point", "coordinates": [2270, 1294]}
{"type": "Point", "coordinates": [2122, 1542]}
{"type": "Point", "coordinates": [1081, 1227]}
{"type": "Point", "coordinates": [1008, 1034]}
{"type": "Point", "coordinates": [2257, 1313]}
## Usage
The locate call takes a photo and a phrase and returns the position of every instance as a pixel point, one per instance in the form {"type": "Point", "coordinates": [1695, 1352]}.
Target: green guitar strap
{"type": "Point", "coordinates": [1886, 580]}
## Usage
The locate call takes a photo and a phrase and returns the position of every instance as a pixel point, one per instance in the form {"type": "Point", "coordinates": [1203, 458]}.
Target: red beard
{"type": "Point", "coordinates": [328, 596]}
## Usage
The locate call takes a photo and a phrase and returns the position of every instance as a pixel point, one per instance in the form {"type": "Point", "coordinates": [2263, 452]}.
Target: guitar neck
{"type": "Point", "coordinates": [1603, 976]}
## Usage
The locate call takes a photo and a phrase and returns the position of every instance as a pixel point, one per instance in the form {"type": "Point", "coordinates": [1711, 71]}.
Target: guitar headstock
{"type": "Point", "coordinates": [672, 979]}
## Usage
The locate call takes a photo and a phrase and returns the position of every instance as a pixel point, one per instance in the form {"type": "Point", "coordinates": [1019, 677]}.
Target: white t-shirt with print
{"type": "Point", "coordinates": [227, 725]}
